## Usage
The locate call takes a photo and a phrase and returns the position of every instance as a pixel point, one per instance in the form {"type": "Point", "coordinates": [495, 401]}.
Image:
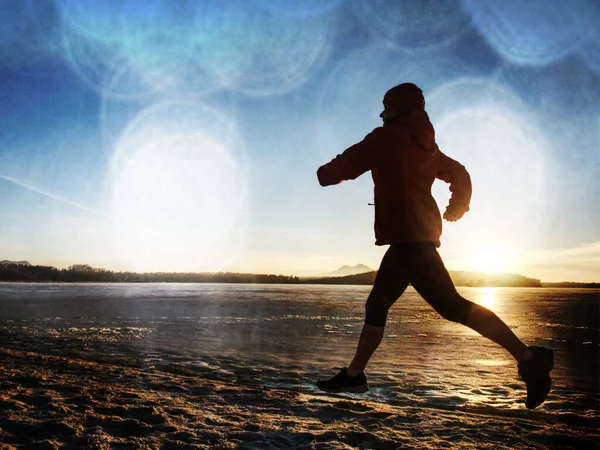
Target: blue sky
{"type": "Point", "coordinates": [185, 136]}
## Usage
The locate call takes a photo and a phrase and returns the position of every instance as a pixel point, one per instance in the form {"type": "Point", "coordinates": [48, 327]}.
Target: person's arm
{"type": "Point", "coordinates": [353, 162]}
{"type": "Point", "coordinates": [455, 173]}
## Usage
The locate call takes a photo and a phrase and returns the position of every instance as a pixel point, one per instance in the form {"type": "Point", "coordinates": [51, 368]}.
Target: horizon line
{"type": "Point", "coordinates": [8, 262]}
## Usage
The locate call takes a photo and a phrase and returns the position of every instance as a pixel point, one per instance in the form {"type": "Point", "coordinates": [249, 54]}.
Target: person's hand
{"type": "Point", "coordinates": [452, 213]}
{"type": "Point", "coordinates": [328, 175]}
{"type": "Point", "coordinates": [321, 175]}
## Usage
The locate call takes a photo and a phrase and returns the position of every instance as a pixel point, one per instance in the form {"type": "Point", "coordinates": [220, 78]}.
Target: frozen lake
{"type": "Point", "coordinates": [290, 335]}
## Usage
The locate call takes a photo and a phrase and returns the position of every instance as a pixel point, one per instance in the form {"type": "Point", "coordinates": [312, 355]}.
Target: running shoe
{"type": "Point", "coordinates": [536, 374]}
{"type": "Point", "coordinates": [343, 382]}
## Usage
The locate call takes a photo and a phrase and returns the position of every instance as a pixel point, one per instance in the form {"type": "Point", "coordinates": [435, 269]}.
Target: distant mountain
{"type": "Point", "coordinates": [18, 263]}
{"type": "Point", "coordinates": [349, 270]}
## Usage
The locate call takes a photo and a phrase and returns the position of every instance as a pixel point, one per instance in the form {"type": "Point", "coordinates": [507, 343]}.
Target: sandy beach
{"type": "Point", "coordinates": [55, 402]}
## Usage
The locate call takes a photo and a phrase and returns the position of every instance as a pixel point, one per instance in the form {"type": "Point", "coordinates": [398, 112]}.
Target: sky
{"type": "Point", "coordinates": [164, 135]}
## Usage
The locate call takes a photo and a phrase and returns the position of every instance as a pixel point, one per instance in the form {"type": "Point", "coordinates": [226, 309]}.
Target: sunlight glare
{"type": "Point", "coordinates": [177, 190]}
{"type": "Point", "coordinates": [489, 258]}
{"type": "Point", "coordinates": [488, 129]}
{"type": "Point", "coordinates": [488, 297]}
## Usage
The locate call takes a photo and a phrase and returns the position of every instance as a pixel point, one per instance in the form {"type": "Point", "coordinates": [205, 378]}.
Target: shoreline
{"type": "Point", "coordinates": [552, 285]}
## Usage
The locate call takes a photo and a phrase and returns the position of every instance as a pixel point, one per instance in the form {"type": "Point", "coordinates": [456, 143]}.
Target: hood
{"type": "Point", "coordinates": [419, 126]}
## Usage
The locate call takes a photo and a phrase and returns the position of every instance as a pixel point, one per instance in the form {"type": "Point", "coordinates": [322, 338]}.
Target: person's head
{"type": "Point", "coordinates": [401, 100]}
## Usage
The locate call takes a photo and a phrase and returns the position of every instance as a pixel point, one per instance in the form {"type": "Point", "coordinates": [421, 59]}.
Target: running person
{"type": "Point", "coordinates": [404, 161]}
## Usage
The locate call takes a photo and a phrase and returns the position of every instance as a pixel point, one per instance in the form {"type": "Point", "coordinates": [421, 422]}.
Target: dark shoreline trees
{"type": "Point", "coordinates": [22, 271]}
{"type": "Point", "coordinates": [86, 273]}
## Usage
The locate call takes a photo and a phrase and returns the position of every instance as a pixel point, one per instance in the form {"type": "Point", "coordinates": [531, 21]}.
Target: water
{"type": "Point", "coordinates": [290, 335]}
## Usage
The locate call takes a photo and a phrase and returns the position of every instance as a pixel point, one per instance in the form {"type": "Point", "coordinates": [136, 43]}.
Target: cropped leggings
{"type": "Point", "coordinates": [419, 264]}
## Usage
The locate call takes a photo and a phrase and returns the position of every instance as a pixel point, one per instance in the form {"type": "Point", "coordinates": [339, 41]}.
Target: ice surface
{"type": "Point", "coordinates": [433, 383]}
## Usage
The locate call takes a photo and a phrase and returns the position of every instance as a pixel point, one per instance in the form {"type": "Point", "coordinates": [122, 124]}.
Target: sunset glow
{"type": "Point", "coordinates": [185, 136]}
{"type": "Point", "coordinates": [489, 259]}
{"type": "Point", "coordinates": [487, 297]}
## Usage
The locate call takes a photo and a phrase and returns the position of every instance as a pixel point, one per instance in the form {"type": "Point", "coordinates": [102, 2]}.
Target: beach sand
{"type": "Point", "coordinates": [52, 402]}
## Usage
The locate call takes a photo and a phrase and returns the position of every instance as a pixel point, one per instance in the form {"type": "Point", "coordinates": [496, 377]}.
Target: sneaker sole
{"type": "Point", "coordinates": [539, 401]}
{"type": "Point", "coordinates": [548, 355]}
{"type": "Point", "coordinates": [353, 389]}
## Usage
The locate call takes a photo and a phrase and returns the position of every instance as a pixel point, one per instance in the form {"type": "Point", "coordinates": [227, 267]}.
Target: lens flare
{"type": "Point", "coordinates": [96, 20]}
{"type": "Point", "coordinates": [414, 24]}
{"type": "Point", "coordinates": [196, 47]}
{"type": "Point", "coordinates": [536, 31]}
{"type": "Point", "coordinates": [555, 89]}
{"type": "Point", "coordinates": [351, 98]}
{"type": "Point", "coordinates": [99, 39]}
{"type": "Point", "coordinates": [96, 61]}
{"type": "Point", "coordinates": [298, 8]}
{"type": "Point", "coordinates": [167, 44]}
{"type": "Point", "coordinates": [251, 52]}
{"type": "Point", "coordinates": [29, 32]}
{"type": "Point", "coordinates": [177, 189]}
{"type": "Point", "coordinates": [489, 130]}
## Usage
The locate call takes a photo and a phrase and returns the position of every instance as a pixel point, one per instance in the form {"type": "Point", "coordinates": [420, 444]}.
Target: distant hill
{"type": "Point", "coordinates": [477, 279]}
{"type": "Point", "coordinates": [349, 270]}
{"type": "Point", "coordinates": [460, 278]}
{"type": "Point", "coordinates": [571, 284]}
{"type": "Point", "coordinates": [18, 263]}
{"type": "Point", "coordinates": [360, 278]}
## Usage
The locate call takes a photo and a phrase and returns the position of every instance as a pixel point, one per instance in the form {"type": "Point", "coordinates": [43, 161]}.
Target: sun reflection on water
{"type": "Point", "coordinates": [488, 297]}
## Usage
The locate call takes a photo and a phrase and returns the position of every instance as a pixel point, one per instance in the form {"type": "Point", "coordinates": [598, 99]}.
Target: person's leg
{"type": "Point", "coordinates": [535, 363]}
{"type": "Point", "coordinates": [370, 338]}
{"type": "Point", "coordinates": [432, 281]}
{"type": "Point", "coordinates": [489, 325]}
{"type": "Point", "coordinates": [390, 283]}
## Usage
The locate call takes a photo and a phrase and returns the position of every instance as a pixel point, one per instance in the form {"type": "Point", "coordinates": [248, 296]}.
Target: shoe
{"type": "Point", "coordinates": [343, 382]}
{"type": "Point", "coordinates": [536, 374]}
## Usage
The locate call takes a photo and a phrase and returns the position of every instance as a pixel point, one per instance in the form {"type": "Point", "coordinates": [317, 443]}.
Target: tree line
{"type": "Point", "coordinates": [25, 272]}
{"type": "Point", "coordinates": [86, 273]}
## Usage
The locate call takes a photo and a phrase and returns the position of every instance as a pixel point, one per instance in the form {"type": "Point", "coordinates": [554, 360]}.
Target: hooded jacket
{"type": "Point", "coordinates": [404, 161]}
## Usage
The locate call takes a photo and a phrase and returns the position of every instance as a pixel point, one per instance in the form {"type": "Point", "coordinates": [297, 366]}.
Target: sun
{"type": "Point", "coordinates": [490, 258]}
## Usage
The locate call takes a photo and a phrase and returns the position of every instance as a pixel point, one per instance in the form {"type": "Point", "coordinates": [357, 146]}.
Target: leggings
{"type": "Point", "coordinates": [419, 264]}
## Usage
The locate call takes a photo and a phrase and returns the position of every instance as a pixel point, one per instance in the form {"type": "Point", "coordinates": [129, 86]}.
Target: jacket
{"type": "Point", "coordinates": [404, 161]}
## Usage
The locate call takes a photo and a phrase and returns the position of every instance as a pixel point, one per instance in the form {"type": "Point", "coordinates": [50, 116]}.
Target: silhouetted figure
{"type": "Point", "coordinates": [404, 161]}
